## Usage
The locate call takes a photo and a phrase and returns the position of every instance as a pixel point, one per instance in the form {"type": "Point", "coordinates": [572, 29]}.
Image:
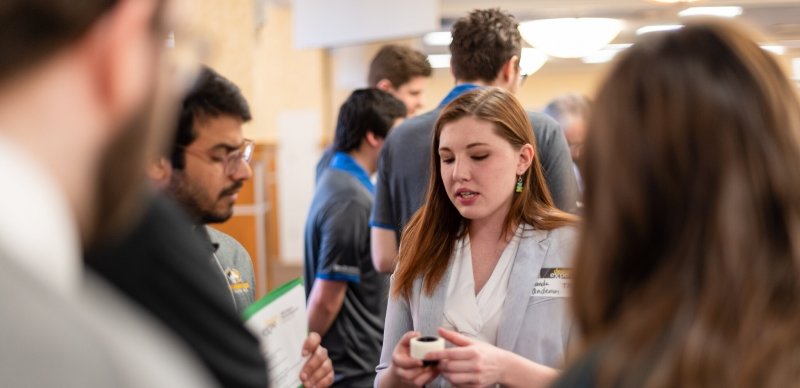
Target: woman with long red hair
{"type": "Point", "coordinates": [485, 260]}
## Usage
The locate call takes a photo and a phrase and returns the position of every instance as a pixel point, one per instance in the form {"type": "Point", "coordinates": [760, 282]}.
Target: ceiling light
{"type": "Point", "coordinates": [775, 49]}
{"type": "Point", "coordinates": [606, 54]}
{"type": "Point", "coordinates": [438, 38]}
{"type": "Point", "coordinates": [601, 56]}
{"type": "Point", "coordinates": [439, 61]}
{"type": "Point", "coordinates": [658, 28]}
{"type": "Point", "coordinates": [532, 60]}
{"type": "Point", "coordinates": [725, 12]}
{"type": "Point", "coordinates": [570, 37]}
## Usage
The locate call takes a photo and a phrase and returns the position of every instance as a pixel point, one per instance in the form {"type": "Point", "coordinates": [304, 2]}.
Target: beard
{"type": "Point", "coordinates": [122, 189]}
{"type": "Point", "coordinates": [197, 202]}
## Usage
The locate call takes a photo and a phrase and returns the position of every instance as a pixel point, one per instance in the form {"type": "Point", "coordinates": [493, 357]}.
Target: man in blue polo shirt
{"type": "Point", "coordinates": [346, 296]}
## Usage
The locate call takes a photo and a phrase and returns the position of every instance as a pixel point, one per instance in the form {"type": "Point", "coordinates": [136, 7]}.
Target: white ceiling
{"type": "Point", "coordinates": [779, 20]}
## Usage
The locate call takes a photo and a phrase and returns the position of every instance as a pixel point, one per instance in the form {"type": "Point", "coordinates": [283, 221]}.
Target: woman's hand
{"type": "Point", "coordinates": [471, 363]}
{"type": "Point", "coordinates": [407, 369]}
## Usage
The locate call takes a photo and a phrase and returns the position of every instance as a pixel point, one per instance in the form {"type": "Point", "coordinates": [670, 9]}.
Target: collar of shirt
{"type": "Point", "coordinates": [38, 230]}
{"type": "Point", "coordinates": [457, 91]}
{"type": "Point", "coordinates": [202, 231]}
{"type": "Point", "coordinates": [343, 161]}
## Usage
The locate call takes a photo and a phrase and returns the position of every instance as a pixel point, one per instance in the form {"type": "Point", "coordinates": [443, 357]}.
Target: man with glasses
{"type": "Point", "coordinates": [204, 171]}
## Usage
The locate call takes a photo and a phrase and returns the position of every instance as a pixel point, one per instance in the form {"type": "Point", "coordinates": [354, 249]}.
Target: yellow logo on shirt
{"type": "Point", "coordinates": [235, 281]}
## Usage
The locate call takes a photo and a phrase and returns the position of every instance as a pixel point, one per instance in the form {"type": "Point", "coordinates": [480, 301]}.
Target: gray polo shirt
{"type": "Point", "coordinates": [235, 263]}
{"type": "Point", "coordinates": [337, 247]}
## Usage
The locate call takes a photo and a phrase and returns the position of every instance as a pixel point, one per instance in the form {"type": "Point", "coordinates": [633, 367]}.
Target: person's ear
{"type": "Point", "coordinates": [510, 70]}
{"type": "Point", "coordinates": [160, 172]}
{"type": "Point", "coordinates": [122, 50]}
{"type": "Point", "coordinates": [385, 85]}
{"type": "Point", "coordinates": [373, 140]}
{"type": "Point", "coordinates": [525, 158]}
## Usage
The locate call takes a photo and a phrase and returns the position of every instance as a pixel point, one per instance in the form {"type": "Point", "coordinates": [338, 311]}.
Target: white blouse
{"type": "Point", "coordinates": [478, 316]}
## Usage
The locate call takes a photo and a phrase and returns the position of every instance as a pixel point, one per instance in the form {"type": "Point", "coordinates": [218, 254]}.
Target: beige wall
{"type": "Point", "coordinates": [228, 29]}
{"type": "Point", "coordinates": [273, 76]}
{"type": "Point", "coordinates": [348, 70]}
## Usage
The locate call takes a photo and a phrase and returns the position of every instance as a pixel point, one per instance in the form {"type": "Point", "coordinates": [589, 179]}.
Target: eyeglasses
{"type": "Point", "coordinates": [231, 160]}
{"type": "Point", "coordinates": [522, 78]}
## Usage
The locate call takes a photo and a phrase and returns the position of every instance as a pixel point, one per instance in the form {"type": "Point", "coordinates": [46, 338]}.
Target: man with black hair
{"type": "Point", "coordinates": [485, 49]}
{"type": "Point", "coordinates": [346, 296]}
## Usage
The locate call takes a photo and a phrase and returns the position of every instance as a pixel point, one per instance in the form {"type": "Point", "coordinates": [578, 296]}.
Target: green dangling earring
{"type": "Point", "coordinates": [519, 184]}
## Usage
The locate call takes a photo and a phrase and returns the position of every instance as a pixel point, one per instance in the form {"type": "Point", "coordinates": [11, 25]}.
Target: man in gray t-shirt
{"type": "Point", "coordinates": [346, 296]}
{"type": "Point", "coordinates": [485, 49]}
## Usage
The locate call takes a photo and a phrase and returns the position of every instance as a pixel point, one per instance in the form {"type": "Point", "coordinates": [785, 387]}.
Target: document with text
{"type": "Point", "coordinates": [280, 322]}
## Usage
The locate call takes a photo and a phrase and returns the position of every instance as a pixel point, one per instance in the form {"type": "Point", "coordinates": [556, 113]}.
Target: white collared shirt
{"type": "Point", "coordinates": [478, 316]}
{"type": "Point", "coordinates": [37, 229]}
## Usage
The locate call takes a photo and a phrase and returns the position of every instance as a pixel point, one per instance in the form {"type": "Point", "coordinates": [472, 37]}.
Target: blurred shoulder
{"type": "Point", "coordinates": [543, 122]}
{"type": "Point", "coordinates": [421, 125]}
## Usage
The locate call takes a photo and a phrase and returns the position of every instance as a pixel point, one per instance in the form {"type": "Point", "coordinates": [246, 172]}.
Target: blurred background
{"type": "Point", "coordinates": [296, 61]}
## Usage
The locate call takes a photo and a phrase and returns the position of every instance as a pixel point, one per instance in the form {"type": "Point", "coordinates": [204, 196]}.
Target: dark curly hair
{"type": "Point", "coordinates": [482, 42]}
{"type": "Point", "coordinates": [212, 96]}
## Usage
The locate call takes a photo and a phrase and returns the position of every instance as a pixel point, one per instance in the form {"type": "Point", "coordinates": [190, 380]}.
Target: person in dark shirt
{"type": "Point", "coordinates": [346, 296]}
{"type": "Point", "coordinates": [164, 265]}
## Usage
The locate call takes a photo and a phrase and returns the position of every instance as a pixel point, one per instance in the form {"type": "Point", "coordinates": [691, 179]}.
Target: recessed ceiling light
{"type": "Point", "coordinates": [726, 12]}
{"type": "Point", "coordinates": [658, 28]}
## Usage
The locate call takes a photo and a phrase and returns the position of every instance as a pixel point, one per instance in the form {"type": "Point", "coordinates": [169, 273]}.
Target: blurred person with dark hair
{"type": "Point", "coordinates": [81, 84]}
{"type": "Point", "coordinates": [571, 110]}
{"type": "Point", "coordinates": [485, 50]}
{"type": "Point", "coordinates": [485, 261]}
{"type": "Point", "coordinates": [203, 171]}
{"type": "Point", "coordinates": [400, 71]}
{"type": "Point", "coordinates": [687, 272]}
{"type": "Point", "coordinates": [346, 296]}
